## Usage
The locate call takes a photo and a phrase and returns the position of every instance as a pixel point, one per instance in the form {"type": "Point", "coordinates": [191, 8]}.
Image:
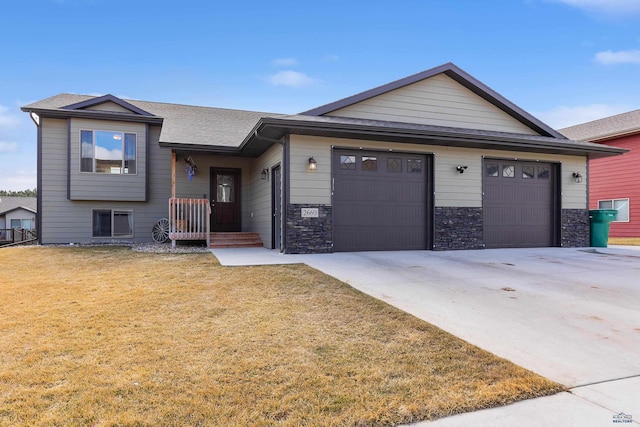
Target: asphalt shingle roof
{"type": "Point", "coordinates": [9, 203]}
{"type": "Point", "coordinates": [609, 127]}
{"type": "Point", "coordinates": [184, 124]}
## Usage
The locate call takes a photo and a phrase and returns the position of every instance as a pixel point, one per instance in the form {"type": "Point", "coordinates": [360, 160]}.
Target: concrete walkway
{"type": "Point", "coordinates": [571, 315]}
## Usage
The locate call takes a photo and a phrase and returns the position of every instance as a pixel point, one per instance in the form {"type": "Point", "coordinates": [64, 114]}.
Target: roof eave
{"type": "Point", "coordinates": [93, 114]}
{"type": "Point", "coordinates": [460, 139]}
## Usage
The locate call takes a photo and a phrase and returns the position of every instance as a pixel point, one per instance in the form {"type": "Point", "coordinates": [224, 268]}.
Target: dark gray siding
{"type": "Point", "coordinates": [107, 187]}
{"type": "Point", "coordinates": [69, 221]}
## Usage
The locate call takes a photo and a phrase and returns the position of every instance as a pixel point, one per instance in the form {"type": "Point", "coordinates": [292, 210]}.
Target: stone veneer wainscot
{"type": "Point", "coordinates": [309, 235]}
{"type": "Point", "coordinates": [458, 228]}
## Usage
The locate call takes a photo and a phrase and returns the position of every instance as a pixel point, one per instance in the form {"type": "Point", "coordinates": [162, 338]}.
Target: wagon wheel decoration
{"type": "Point", "coordinates": [160, 231]}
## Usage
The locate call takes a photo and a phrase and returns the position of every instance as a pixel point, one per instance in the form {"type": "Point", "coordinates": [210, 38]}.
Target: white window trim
{"type": "Point", "coordinates": [93, 131]}
{"type": "Point", "coordinates": [612, 204]}
{"type": "Point", "coordinates": [113, 212]}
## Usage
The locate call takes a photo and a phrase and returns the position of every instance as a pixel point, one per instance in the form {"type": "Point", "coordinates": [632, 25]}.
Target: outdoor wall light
{"type": "Point", "coordinates": [461, 168]}
{"type": "Point", "coordinates": [264, 174]}
{"type": "Point", "coordinates": [577, 177]}
{"type": "Point", "coordinates": [313, 165]}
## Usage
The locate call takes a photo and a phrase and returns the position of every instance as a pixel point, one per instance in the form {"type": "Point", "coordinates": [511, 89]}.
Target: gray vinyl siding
{"type": "Point", "coordinates": [255, 202]}
{"type": "Point", "coordinates": [438, 100]}
{"type": "Point", "coordinates": [70, 221]}
{"type": "Point", "coordinates": [199, 187]}
{"type": "Point", "coordinates": [452, 189]}
{"type": "Point", "coordinates": [5, 222]}
{"type": "Point", "coordinates": [261, 194]}
{"type": "Point", "coordinates": [107, 187]}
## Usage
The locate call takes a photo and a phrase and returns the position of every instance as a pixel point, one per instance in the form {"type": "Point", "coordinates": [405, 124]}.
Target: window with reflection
{"type": "Point", "coordinates": [108, 152]}
{"type": "Point", "coordinates": [369, 163]}
{"type": "Point", "coordinates": [347, 162]}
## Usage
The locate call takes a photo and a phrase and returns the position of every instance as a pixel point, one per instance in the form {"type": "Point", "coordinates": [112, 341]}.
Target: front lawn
{"type": "Point", "coordinates": [106, 336]}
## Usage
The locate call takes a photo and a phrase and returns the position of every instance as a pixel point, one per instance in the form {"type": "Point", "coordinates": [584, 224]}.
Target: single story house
{"type": "Point", "coordinates": [436, 160]}
{"type": "Point", "coordinates": [613, 183]}
{"type": "Point", "coordinates": [16, 213]}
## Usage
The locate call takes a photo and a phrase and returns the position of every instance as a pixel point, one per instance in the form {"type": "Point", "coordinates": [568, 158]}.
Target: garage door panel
{"type": "Point", "coordinates": [383, 209]}
{"type": "Point", "coordinates": [518, 204]}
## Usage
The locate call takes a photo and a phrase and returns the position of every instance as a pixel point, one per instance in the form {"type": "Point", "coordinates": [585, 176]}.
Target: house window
{"type": "Point", "coordinates": [112, 223]}
{"type": "Point", "coordinates": [394, 165]}
{"type": "Point", "coordinates": [21, 223]}
{"type": "Point", "coordinates": [509, 171]}
{"type": "Point", "coordinates": [621, 205]}
{"type": "Point", "coordinates": [107, 152]}
{"type": "Point", "coordinates": [543, 172]}
{"type": "Point", "coordinates": [492, 169]}
{"type": "Point", "coordinates": [348, 162]}
{"type": "Point", "coordinates": [527, 172]}
{"type": "Point", "coordinates": [414, 165]}
{"type": "Point", "coordinates": [369, 163]}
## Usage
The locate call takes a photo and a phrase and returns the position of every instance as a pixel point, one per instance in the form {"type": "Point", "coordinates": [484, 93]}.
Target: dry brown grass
{"type": "Point", "coordinates": [627, 241]}
{"type": "Point", "coordinates": [108, 337]}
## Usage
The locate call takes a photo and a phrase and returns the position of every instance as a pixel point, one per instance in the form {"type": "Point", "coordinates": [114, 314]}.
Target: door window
{"type": "Point", "coordinates": [225, 188]}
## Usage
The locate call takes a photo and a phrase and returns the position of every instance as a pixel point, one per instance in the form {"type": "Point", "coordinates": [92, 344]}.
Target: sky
{"type": "Point", "coordinates": [564, 61]}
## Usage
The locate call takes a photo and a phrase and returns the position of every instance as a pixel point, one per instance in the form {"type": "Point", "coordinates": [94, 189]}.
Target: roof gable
{"type": "Point", "coordinates": [445, 96]}
{"type": "Point", "coordinates": [11, 203]}
{"type": "Point", "coordinates": [108, 103]}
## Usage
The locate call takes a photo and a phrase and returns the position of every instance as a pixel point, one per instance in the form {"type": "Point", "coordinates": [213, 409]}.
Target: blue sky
{"type": "Point", "coordinates": [565, 61]}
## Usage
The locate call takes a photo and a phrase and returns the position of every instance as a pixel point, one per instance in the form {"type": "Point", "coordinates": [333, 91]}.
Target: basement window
{"type": "Point", "coordinates": [112, 223]}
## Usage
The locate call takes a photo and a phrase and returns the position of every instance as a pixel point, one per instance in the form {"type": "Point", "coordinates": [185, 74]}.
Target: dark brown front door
{"type": "Point", "coordinates": [225, 199]}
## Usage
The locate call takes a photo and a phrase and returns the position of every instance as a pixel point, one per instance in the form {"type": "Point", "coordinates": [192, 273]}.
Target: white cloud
{"type": "Point", "coordinates": [609, 7]}
{"type": "Point", "coordinates": [17, 181]}
{"type": "Point", "coordinates": [563, 116]}
{"type": "Point", "coordinates": [285, 62]}
{"type": "Point", "coordinates": [620, 57]}
{"type": "Point", "coordinates": [7, 120]}
{"type": "Point", "coordinates": [8, 147]}
{"type": "Point", "coordinates": [290, 78]}
{"type": "Point", "coordinates": [105, 154]}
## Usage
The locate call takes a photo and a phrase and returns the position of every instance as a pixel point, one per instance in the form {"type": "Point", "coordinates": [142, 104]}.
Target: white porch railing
{"type": "Point", "coordinates": [189, 220]}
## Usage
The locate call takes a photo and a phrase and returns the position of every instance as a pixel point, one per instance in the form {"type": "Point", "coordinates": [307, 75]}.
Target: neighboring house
{"type": "Point", "coordinates": [613, 183]}
{"type": "Point", "coordinates": [16, 212]}
{"type": "Point", "coordinates": [436, 160]}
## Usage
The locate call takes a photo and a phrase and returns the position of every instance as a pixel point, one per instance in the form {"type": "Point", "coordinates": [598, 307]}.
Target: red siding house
{"type": "Point", "coordinates": [614, 181]}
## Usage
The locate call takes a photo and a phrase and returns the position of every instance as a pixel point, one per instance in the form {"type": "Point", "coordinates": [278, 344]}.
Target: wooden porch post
{"type": "Point", "coordinates": [173, 174]}
{"type": "Point", "coordinates": [173, 195]}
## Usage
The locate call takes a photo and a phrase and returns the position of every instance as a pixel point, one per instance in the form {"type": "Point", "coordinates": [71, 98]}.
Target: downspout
{"type": "Point", "coordinates": [37, 120]}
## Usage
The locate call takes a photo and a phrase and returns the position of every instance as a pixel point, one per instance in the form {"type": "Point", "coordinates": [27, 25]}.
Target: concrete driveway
{"type": "Point", "coordinates": [571, 315]}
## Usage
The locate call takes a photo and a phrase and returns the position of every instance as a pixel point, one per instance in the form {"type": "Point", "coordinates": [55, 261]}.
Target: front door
{"type": "Point", "coordinates": [225, 199]}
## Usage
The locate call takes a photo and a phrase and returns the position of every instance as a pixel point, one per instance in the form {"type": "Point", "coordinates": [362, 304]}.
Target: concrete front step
{"type": "Point", "coordinates": [236, 240]}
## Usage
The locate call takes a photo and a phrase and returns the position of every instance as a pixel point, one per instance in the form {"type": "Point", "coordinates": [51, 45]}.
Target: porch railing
{"type": "Point", "coordinates": [12, 236]}
{"type": "Point", "coordinates": [189, 220]}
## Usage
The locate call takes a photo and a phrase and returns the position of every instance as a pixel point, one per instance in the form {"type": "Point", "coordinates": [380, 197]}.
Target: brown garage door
{"type": "Point", "coordinates": [379, 201]}
{"type": "Point", "coordinates": [519, 204]}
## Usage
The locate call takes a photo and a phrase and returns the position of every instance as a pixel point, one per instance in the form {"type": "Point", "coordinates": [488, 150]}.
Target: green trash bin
{"type": "Point", "coordinates": [599, 220]}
